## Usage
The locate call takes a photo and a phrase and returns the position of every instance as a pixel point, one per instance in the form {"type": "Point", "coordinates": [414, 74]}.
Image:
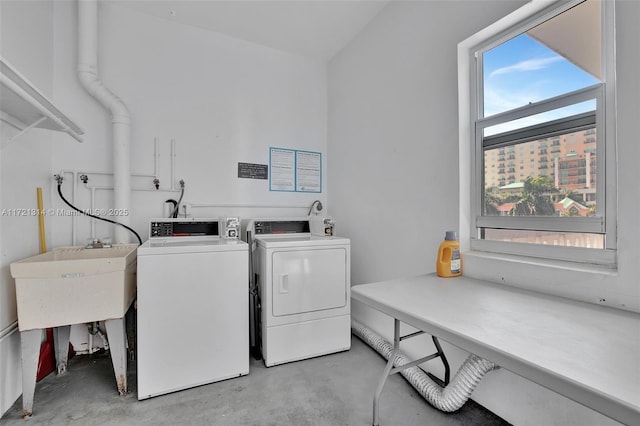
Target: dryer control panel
{"type": "Point", "coordinates": [281, 227]}
{"type": "Point", "coordinates": [183, 228]}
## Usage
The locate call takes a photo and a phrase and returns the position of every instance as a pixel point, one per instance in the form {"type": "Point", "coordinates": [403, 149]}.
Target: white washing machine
{"type": "Point", "coordinates": [192, 307]}
{"type": "Point", "coordinates": [303, 285]}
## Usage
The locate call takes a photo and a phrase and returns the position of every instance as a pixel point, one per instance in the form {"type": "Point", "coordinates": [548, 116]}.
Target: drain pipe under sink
{"type": "Point", "coordinates": [88, 74]}
{"type": "Point", "coordinates": [448, 399]}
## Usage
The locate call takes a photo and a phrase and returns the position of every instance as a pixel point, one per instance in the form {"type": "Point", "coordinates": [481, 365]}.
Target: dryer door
{"type": "Point", "coordinates": [309, 280]}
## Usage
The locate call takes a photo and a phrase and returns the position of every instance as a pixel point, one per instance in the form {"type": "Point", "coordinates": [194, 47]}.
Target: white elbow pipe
{"type": "Point", "coordinates": [448, 399]}
{"type": "Point", "coordinates": [88, 74]}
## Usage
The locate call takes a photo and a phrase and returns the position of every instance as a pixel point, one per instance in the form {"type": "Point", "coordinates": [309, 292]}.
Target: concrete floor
{"type": "Point", "coordinates": [325, 391]}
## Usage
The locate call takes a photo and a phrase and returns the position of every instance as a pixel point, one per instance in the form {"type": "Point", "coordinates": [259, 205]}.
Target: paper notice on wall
{"type": "Point", "coordinates": [295, 170]}
{"type": "Point", "coordinates": [308, 171]}
{"type": "Point", "coordinates": [283, 170]}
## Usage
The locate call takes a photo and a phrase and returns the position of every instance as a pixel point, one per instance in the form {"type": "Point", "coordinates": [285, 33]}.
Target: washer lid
{"type": "Point", "coordinates": [299, 240]}
{"type": "Point", "coordinates": [173, 245]}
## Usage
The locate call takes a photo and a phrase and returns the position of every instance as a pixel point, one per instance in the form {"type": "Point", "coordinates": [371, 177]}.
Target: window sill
{"type": "Point", "coordinates": [581, 282]}
{"type": "Point", "coordinates": [520, 260]}
{"type": "Point", "coordinates": [552, 255]}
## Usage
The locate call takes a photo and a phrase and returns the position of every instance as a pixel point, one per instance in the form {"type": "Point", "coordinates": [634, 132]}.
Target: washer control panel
{"type": "Point", "coordinates": [183, 228]}
{"type": "Point", "coordinates": [230, 227]}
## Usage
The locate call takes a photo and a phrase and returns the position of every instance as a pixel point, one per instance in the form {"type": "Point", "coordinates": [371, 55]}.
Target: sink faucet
{"type": "Point", "coordinates": [96, 243]}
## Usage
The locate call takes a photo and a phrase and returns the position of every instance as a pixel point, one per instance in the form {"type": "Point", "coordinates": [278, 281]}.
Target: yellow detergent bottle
{"type": "Point", "coordinates": [449, 263]}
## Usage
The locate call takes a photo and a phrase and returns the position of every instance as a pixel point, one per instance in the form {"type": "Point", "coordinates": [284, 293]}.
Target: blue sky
{"type": "Point", "coordinates": [522, 70]}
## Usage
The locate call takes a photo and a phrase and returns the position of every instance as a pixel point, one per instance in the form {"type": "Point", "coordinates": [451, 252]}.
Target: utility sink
{"type": "Point", "coordinates": [73, 285]}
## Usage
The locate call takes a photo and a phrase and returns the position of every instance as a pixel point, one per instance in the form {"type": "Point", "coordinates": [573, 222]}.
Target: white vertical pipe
{"type": "Point", "coordinates": [92, 205]}
{"type": "Point", "coordinates": [156, 157]}
{"type": "Point", "coordinates": [122, 179]}
{"type": "Point", "coordinates": [74, 197]}
{"type": "Point", "coordinates": [87, 71]}
{"type": "Point", "coordinates": [173, 164]}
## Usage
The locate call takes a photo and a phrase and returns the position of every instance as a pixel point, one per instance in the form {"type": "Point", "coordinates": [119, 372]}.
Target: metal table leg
{"type": "Point", "coordinates": [30, 341]}
{"type": "Point", "coordinates": [117, 345]}
{"type": "Point", "coordinates": [30, 345]}
{"type": "Point", "coordinates": [61, 343]}
{"type": "Point", "coordinates": [387, 371]}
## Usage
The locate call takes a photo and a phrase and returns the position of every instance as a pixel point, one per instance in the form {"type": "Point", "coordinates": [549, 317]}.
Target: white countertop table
{"type": "Point", "coordinates": [586, 352]}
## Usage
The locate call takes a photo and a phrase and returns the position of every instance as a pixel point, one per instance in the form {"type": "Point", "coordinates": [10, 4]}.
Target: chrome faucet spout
{"type": "Point", "coordinates": [96, 243]}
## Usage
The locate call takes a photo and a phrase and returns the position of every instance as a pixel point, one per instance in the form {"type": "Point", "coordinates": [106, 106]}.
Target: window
{"type": "Point", "coordinates": [540, 95]}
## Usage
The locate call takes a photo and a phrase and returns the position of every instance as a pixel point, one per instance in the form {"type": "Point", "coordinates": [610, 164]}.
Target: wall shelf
{"type": "Point", "coordinates": [24, 107]}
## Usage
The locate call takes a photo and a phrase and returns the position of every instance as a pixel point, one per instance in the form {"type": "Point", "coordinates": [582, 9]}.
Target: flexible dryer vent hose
{"type": "Point", "coordinates": [448, 399]}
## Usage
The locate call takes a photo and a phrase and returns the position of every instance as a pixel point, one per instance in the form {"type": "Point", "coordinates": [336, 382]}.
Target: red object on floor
{"type": "Point", "coordinates": [47, 359]}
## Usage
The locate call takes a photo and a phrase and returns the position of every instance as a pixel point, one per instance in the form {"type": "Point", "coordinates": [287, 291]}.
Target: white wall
{"type": "Point", "coordinates": [393, 167]}
{"type": "Point", "coordinates": [25, 165]}
{"type": "Point", "coordinates": [393, 133]}
{"type": "Point", "coordinates": [222, 100]}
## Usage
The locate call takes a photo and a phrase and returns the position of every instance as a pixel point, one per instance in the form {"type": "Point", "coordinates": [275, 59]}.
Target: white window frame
{"type": "Point", "coordinates": [471, 125]}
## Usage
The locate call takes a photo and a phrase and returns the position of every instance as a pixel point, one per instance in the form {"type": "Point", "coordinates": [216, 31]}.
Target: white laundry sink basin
{"type": "Point", "coordinates": [73, 285]}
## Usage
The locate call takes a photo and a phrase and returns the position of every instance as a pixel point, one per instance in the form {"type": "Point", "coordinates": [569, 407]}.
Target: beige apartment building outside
{"type": "Point", "coordinates": [569, 159]}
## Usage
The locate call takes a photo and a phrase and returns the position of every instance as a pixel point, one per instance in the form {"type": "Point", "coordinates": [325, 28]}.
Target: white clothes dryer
{"type": "Point", "coordinates": [192, 307]}
{"type": "Point", "coordinates": [303, 284]}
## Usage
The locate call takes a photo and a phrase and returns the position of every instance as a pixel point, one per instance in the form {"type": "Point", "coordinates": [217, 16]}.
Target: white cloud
{"type": "Point", "coordinates": [497, 101]}
{"type": "Point", "coordinates": [528, 65]}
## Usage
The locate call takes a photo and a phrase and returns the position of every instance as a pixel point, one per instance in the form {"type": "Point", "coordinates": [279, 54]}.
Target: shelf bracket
{"type": "Point", "coordinates": [26, 129]}
{"type": "Point", "coordinates": [22, 102]}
